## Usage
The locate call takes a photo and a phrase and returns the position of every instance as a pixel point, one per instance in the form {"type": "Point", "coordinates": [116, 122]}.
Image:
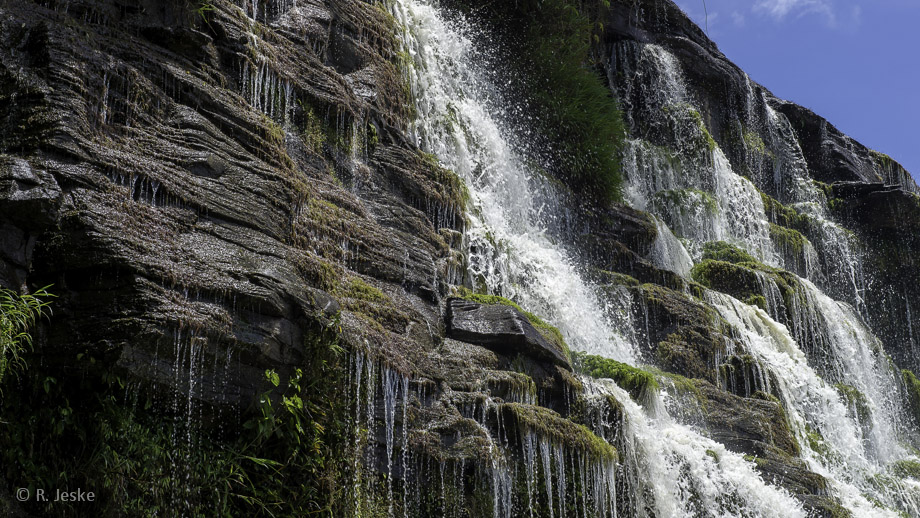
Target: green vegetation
{"type": "Point", "coordinates": [882, 159]}
{"type": "Point", "coordinates": [787, 238]}
{"type": "Point", "coordinates": [18, 314]}
{"type": "Point", "coordinates": [827, 189]}
{"type": "Point", "coordinates": [372, 305]}
{"type": "Point", "coordinates": [739, 274]}
{"type": "Point", "coordinates": [722, 251]}
{"type": "Point", "coordinates": [757, 300]}
{"type": "Point", "coordinates": [77, 424]}
{"type": "Point", "coordinates": [632, 379]}
{"type": "Point", "coordinates": [906, 468]}
{"type": "Point", "coordinates": [753, 143]}
{"type": "Point", "coordinates": [857, 402]}
{"type": "Point", "coordinates": [912, 384]}
{"type": "Point", "coordinates": [313, 133]}
{"type": "Point", "coordinates": [549, 332]}
{"type": "Point", "coordinates": [551, 41]}
{"type": "Point", "coordinates": [203, 9]}
{"type": "Point", "coordinates": [784, 216]}
{"type": "Point", "coordinates": [683, 113]}
{"type": "Point", "coordinates": [360, 290]}
{"type": "Point", "coordinates": [552, 425]}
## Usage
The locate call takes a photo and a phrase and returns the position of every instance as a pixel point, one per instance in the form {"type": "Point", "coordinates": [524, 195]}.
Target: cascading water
{"type": "Point", "coordinates": [683, 473]}
{"type": "Point", "coordinates": [511, 253]}
{"type": "Point", "coordinates": [853, 451]}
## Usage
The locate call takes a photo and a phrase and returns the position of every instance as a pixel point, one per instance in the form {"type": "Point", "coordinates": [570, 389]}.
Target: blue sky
{"type": "Point", "coordinates": [854, 62]}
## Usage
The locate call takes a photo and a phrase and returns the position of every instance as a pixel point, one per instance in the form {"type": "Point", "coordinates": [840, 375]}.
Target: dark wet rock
{"type": "Point", "coordinates": [502, 328]}
{"type": "Point", "coordinates": [746, 425]}
{"type": "Point", "coordinates": [835, 157]}
{"type": "Point", "coordinates": [679, 332]}
{"type": "Point", "coordinates": [887, 220]}
{"type": "Point", "coordinates": [617, 224]}
{"type": "Point", "coordinates": [757, 427]}
{"type": "Point", "coordinates": [184, 210]}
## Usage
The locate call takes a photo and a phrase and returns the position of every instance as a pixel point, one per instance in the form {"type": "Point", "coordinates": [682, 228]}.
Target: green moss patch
{"type": "Point", "coordinates": [550, 424]}
{"type": "Point", "coordinates": [788, 239]}
{"type": "Point", "coordinates": [906, 468]}
{"type": "Point", "coordinates": [784, 216]}
{"type": "Point", "coordinates": [856, 400]}
{"type": "Point", "coordinates": [722, 251]}
{"type": "Point", "coordinates": [372, 305]}
{"type": "Point", "coordinates": [754, 143]}
{"type": "Point", "coordinates": [912, 384]}
{"type": "Point", "coordinates": [741, 276]}
{"type": "Point", "coordinates": [633, 379]}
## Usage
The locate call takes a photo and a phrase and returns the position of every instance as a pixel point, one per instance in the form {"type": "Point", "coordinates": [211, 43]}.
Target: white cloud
{"type": "Point", "coordinates": [779, 9]}
{"type": "Point", "coordinates": [738, 19]}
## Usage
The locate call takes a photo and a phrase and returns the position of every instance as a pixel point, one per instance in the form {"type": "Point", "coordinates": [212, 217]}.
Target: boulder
{"type": "Point", "coordinates": [501, 328]}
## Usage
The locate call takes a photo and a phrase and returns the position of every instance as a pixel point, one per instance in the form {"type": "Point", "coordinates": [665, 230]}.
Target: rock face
{"type": "Point", "coordinates": [501, 328]}
{"type": "Point", "coordinates": [216, 190]}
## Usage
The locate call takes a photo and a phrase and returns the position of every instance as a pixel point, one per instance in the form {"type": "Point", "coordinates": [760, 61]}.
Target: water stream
{"type": "Point", "coordinates": [667, 468]}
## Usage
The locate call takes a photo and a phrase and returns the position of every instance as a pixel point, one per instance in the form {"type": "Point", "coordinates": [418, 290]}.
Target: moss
{"type": "Point", "coordinates": [784, 216]}
{"type": "Point", "coordinates": [766, 397]}
{"type": "Point", "coordinates": [360, 290]}
{"type": "Point", "coordinates": [912, 384]}
{"type": "Point", "coordinates": [739, 280]}
{"type": "Point", "coordinates": [550, 424]}
{"type": "Point", "coordinates": [683, 385]}
{"type": "Point", "coordinates": [824, 188]}
{"type": "Point", "coordinates": [616, 278]}
{"type": "Point", "coordinates": [757, 300]}
{"type": "Point", "coordinates": [787, 238]}
{"type": "Point", "coordinates": [273, 131]}
{"type": "Point", "coordinates": [372, 306]}
{"type": "Point", "coordinates": [722, 251]}
{"type": "Point", "coordinates": [856, 400]}
{"type": "Point", "coordinates": [684, 111]}
{"type": "Point", "coordinates": [685, 200]}
{"type": "Point", "coordinates": [818, 444]}
{"type": "Point", "coordinates": [882, 159]}
{"type": "Point", "coordinates": [753, 143]}
{"type": "Point", "coordinates": [633, 379]}
{"type": "Point", "coordinates": [745, 280]}
{"type": "Point", "coordinates": [312, 132]}
{"type": "Point", "coordinates": [906, 468]}
{"type": "Point", "coordinates": [546, 330]}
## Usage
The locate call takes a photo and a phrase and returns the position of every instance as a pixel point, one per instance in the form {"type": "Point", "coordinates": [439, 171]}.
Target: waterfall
{"type": "Point", "coordinates": [511, 252]}
{"type": "Point", "coordinates": [684, 474]}
{"type": "Point", "coordinates": [851, 443]}
{"type": "Point", "coordinates": [834, 441]}
{"type": "Point", "coordinates": [461, 122]}
{"type": "Point", "coordinates": [678, 173]}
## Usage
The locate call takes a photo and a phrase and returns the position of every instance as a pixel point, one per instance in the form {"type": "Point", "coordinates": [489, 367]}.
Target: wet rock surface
{"type": "Point", "coordinates": [227, 186]}
{"type": "Point", "coordinates": [501, 328]}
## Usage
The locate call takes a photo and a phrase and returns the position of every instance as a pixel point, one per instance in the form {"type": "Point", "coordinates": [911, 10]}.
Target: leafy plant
{"type": "Point", "coordinates": [18, 314]}
{"type": "Point", "coordinates": [202, 9]}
